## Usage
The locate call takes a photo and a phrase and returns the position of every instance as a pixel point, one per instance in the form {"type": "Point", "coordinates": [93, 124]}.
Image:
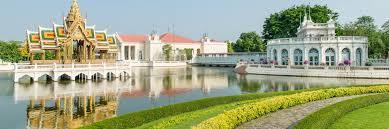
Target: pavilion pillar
{"type": "Point", "coordinates": [43, 56]}
{"type": "Point", "coordinates": [31, 58]}
{"type": "Point", "coordinates": [58, 55]}
{"type": "Point", "coordinates": [84, 104]}
{"type": "Point", "coordinates": [32, 103]}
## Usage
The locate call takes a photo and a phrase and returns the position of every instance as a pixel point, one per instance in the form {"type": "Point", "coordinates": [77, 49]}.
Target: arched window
{"type": "Point", "coordinates": [330, 57]}
{"type": "Point", "coordinates": [313, 56]}
{"type": "Point", "coordinates": [358, 57]}
{"type": "Point", "coordinates": [275, 55]}
{"type": "Point", "coordinates": [298, 57]}
{"type": "Point", "coordinates": [346, 54]}
{"type": "Point", "coordinates": [285, 57]}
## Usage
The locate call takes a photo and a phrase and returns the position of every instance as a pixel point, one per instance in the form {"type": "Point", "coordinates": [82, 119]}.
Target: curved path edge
{"type": "Point", "coordinates": [286, 118]}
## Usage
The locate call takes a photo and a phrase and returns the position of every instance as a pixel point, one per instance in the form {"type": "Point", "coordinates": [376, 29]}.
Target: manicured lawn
{"type": "Point", "coordinates": [372, 117]}
{"type": "Point", "coordinates": [327, 116]}
{"type": "Point", "coordinates": [232, 118]}
{"type": "Point", "coordinates": [185, 114]}
{"type": "Point", "coordinates": [136, 119]}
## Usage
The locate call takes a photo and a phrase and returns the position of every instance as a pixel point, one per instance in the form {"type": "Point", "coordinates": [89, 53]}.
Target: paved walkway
{"type": "Point", "coordinates": [287, 117]}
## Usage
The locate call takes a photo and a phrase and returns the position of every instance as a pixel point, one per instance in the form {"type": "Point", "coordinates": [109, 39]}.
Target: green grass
{"type": "Point", "coordinates": [372, 117]}
{"type": "Point", "coordinates": [136, 119]}
{"type": "Point", "coordinates": [187, 120]}
{"type": "Point", "coordinates": [327, 116]}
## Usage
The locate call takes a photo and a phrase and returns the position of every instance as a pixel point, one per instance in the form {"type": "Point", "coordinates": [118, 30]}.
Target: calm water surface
{"type": "Point", "coordinates": [74, 104]}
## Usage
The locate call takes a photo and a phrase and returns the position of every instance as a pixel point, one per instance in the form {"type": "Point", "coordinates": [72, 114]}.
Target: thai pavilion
{"type": "Point", "coordinates": [72, 41]}
{"type": "Point", "coordinates": [317, 44]}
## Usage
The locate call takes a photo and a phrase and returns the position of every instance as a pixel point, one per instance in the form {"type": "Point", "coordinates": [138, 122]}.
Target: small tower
{"type": "Point", "coordinates": [74, 14]}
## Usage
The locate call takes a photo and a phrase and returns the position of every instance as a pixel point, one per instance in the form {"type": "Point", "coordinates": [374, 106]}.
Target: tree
{"type": "Point", "coordinates": [230, 47]}
{"type": "Point", "coordinates": [188, 53]}
{"type": "Point", "coordinates": [284, 24]}
{"type": "Point", "coordinates": [364, 26]}
{"type": "Point", "coordinates": [385, 27]}
{"type": "Point", "coordinates": [49, 55]}
{"type": "Point", "coordinates": [9, 51]}
{"type": "Point", "coordinates": [24, 51]}
{"type": "Point", "coordinates": [167, 51]}
{"type": "Point", "coordinates": [249, 42]}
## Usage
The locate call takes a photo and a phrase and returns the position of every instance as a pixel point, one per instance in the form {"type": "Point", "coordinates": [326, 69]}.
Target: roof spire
{"type": "Point", "coordinates": [74, 13]}
{"type": "Point", "coordinates": [309, 13]}
{"type": "Point", "coordinates": [305, 15]}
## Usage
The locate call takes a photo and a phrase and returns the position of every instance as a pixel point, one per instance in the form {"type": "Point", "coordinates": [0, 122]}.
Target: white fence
{"type": "Point", "coordinates": [313, 40]}
{"type": "Point", "coordinates": [227, 58]}
{"type": "Point", "coordinates": [156, 63]}
{"type": "Point", "coordinates": [55, 71]}
{"type": "Point", "coordinates": [321, 71]}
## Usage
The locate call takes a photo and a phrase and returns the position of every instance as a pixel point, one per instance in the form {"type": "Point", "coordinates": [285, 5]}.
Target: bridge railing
{"type": "Point", "coordinates": [68, 66]}
{"type": "Point", "coordinates": [360, 68]}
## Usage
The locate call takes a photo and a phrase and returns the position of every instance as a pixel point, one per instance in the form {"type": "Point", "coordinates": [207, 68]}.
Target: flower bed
{"type": "Point", "coordinates": [234, 117]}
{"type": "Point", "coordinates": [325, 117]}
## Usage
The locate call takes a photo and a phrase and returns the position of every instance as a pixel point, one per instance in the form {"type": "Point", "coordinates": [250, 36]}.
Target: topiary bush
{"type": "Point", "coordinates": [232, 118]}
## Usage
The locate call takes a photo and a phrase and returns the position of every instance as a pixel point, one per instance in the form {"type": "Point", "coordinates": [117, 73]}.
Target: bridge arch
{"type": "Point", "coordinates": [64, 77]}
{"type": "Point", "coordinates": [81, 76]}
{"type": "Point", "coordinates": [44, 77]}
{"type": "Point", "coordinates": [97, 76]}
{"type": "Point", "coordinates": [110, 75]}
{"type": "Point", "coordinates": [25, 78]}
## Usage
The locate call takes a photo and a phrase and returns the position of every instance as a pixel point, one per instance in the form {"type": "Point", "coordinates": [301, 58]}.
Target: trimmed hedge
{"type": "Point", "coordinates": [325, 117]}
{"type": "Point", "coordinates": [136, 119]}
{"type": "Point", "coordinates": [232, 118]}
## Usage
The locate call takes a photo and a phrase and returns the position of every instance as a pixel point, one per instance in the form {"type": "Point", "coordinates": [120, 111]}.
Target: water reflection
{"type": "Point", "coordinates": [263, 83]}
{"type": "Point", "coordinates": [74, 104]}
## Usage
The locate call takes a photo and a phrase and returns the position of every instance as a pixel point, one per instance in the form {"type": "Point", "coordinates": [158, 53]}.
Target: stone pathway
{"type": "Point", "coordinates": [285, 118]}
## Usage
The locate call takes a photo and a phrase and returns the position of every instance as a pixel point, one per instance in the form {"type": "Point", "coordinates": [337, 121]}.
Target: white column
{"type": "Point", "coordinates": [121, 53]}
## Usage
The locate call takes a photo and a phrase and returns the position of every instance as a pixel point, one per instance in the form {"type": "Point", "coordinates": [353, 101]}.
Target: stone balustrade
{"type": "Point", "coordinates": [320, 71]}
{"type": "Point", "coordinates": [316, 40]}
{"type": "Point", "coordinates": [86, 71]}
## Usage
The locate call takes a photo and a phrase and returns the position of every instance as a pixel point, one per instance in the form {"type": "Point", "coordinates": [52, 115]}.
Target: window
{"type": "Point", "coordinates": [275, 55]}
{"type": "Point", "coordinates": [358, 57]}
{"type": "Point", "coordinates": [346, 54]}
{"type": "Point", "coordinates": [330, 57]}
{"type": "Point", "coordinates": [140, 55]}
{"type": "Point", "coordinates": [298, 57]}
{"type": "Point", "coordinates": [313, 56]}
{"type": "Point", "coordinates": [285, 57]}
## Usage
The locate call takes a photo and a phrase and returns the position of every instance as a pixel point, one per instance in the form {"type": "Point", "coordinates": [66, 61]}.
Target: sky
{"type": "Point", "coordinates": [220, 19]}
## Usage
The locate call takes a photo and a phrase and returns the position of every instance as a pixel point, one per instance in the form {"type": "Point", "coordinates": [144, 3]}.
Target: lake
{"type": "Point", "coordinates": [74, 104]}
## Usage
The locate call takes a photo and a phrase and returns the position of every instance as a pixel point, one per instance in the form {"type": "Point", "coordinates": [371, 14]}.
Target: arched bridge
{"type": "Point", "coordinates": [72, 71]}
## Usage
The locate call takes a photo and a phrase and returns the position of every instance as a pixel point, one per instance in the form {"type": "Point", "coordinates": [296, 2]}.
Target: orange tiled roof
{"type": "Point", "coordinates": [172, 38]}
{"type": "Point", "coordinates": [133, 38]}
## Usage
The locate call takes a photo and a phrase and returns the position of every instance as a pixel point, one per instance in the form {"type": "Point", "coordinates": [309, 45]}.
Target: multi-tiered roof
{"type": "Point", "coordinates": [74, 27]}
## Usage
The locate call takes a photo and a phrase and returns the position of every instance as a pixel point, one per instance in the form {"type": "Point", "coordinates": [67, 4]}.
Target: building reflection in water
{"type": "Point", "coordinates": [75, 104]}
{"type": "Point", "coordinates": [65, 106]}
{"type": "Point", "coordinates": [264, 83]}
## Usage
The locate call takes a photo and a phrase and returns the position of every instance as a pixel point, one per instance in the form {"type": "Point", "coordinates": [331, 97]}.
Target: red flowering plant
{"type": "Point", "coordinates": [347, 62]}
{"type": "Point", "coordinates": [306, 62]}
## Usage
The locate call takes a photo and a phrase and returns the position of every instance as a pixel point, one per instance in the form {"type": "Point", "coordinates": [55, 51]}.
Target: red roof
{"type": "Point", "coordinates": [133, 38]}
{"type": "Point", "coordinates": [172, 38]}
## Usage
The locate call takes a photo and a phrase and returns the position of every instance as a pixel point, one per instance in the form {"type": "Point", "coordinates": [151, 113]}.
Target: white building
{"type": "Point", "coordinates": [317, 44]}
{"type": "Point", "coordinates": [149, 47]}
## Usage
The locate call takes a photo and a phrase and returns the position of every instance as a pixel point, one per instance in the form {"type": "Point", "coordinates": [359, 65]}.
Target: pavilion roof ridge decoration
{"type": "Point", "coordinates": [74, 29]}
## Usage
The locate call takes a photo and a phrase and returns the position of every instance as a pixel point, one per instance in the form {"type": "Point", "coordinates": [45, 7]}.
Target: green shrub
{"type": "Point", "coordinates": [325, 117]}
{"type": "Point", "coordinates": [136, 119]}
{"type": "Point", "coordinates": [232, 118]}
